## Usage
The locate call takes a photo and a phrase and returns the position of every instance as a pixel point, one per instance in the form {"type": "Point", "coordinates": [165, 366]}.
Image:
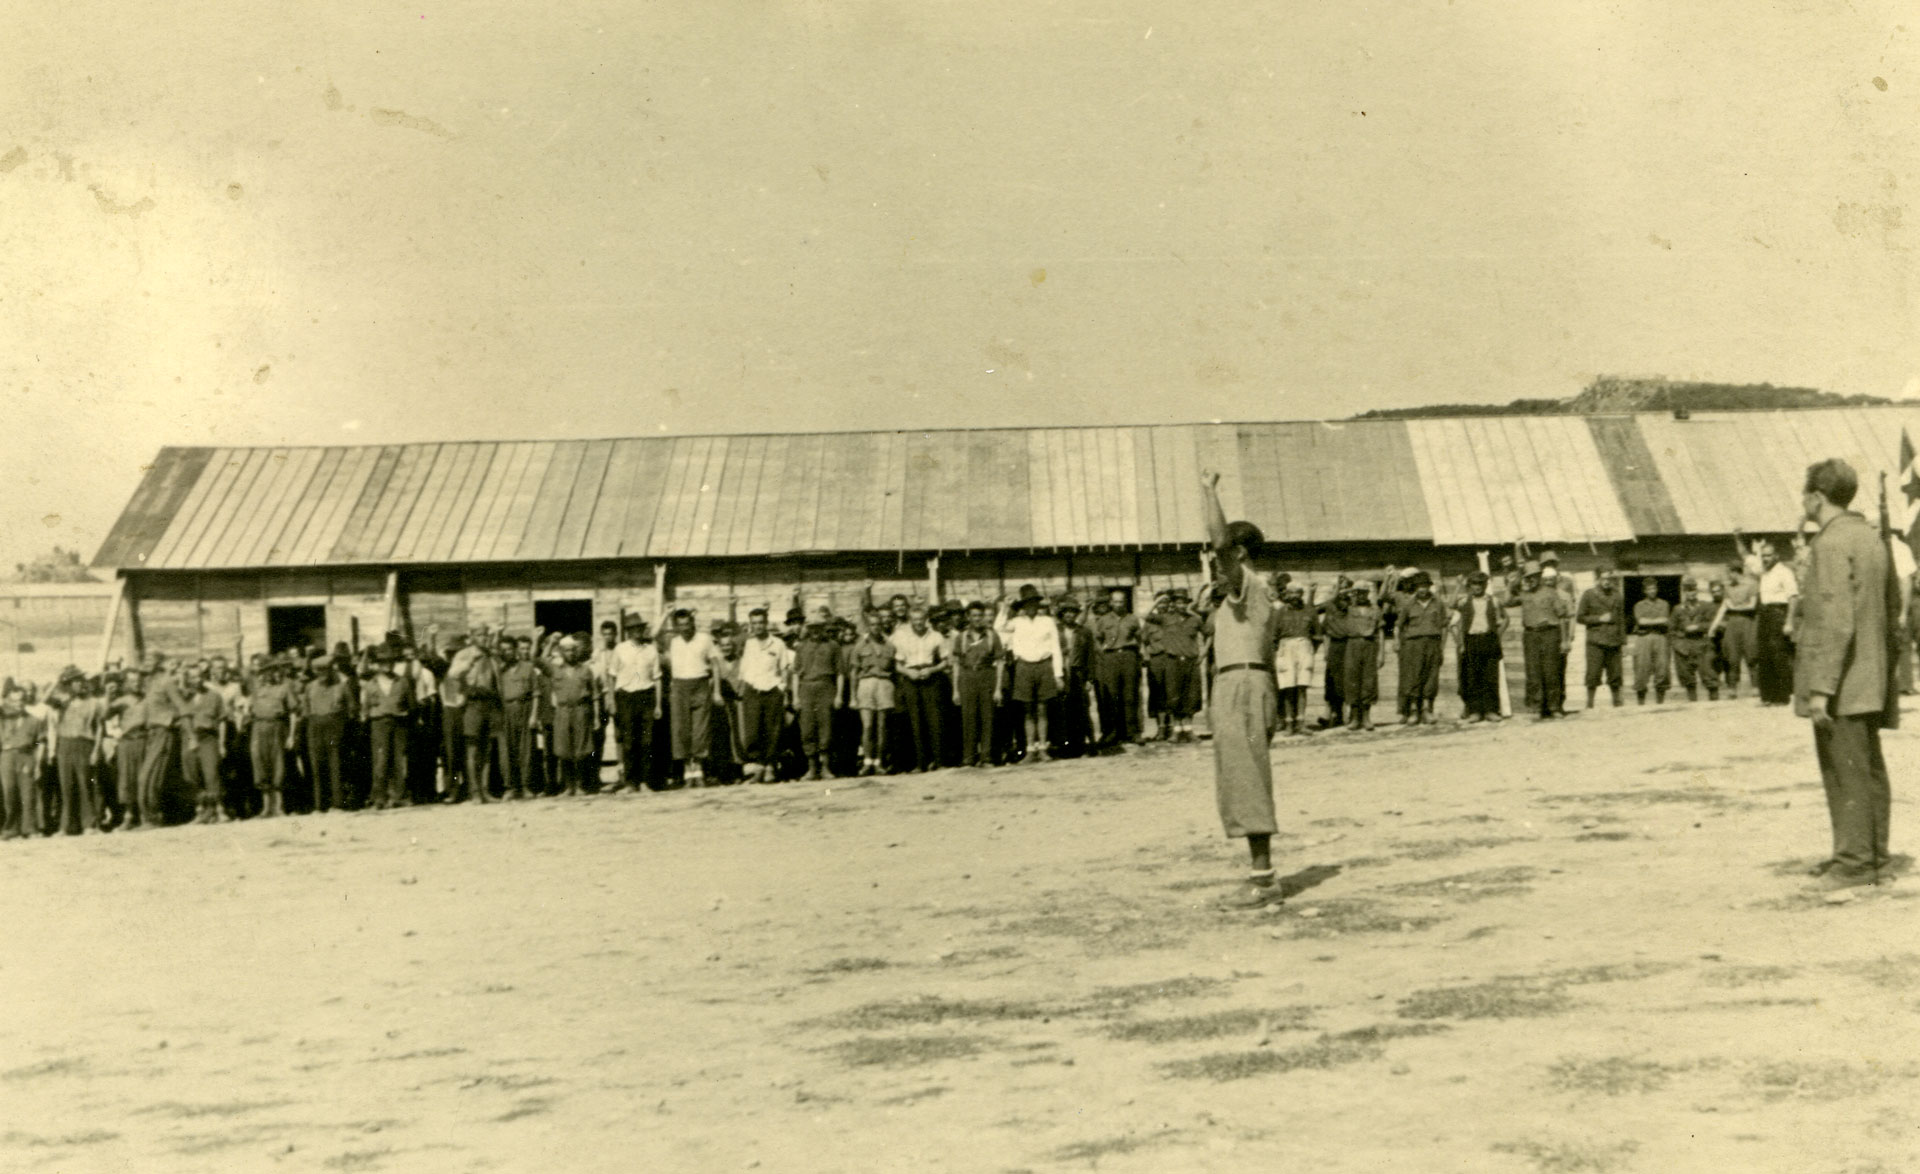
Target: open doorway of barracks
{"type": "Point", "coordinates": [293, 626]}
{"type": "Point", "coordinates": [1633, 589]}
{"type": "Point", "coordinates": [567, 616]}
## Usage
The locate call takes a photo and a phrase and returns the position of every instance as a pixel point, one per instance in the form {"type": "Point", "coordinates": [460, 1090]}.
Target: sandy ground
{"type": "Point", "coordinates": [1582, 946]}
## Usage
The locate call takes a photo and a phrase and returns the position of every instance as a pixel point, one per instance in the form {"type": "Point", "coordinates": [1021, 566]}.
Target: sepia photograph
{"type": "Point", "coordinates": [854, 586]}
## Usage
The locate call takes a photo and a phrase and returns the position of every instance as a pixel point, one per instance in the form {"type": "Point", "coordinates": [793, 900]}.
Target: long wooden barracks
{"type": "Point", "coordinates": [252, 549]}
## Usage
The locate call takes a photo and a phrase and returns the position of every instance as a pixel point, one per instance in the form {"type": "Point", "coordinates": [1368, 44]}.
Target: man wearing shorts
{"type": "Point", "coordinates": [1039, 669]}
{"type": "Point", "coordinates": [872, 662]}
{"type": "Point", "coordinates": [1244, 711]}
{"type": "Point", "coordinates": [1293, 657]}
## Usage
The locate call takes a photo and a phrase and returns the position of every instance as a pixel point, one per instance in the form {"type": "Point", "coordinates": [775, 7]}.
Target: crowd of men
{"type": "Point", "coordinates": [491, 715]}
{"type": "Point", "coordinates": [903, 687]}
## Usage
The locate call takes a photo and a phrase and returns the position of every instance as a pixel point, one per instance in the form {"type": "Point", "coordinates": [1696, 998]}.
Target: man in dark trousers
{"type": "Point", "coordinates": [1602, 613]}
{"type": "Point", "coordinates": [1844, 673]}
{"type": "Point", "coordinates": [1546, 625]}
{"type": "Point", "coordinates": [1070, 721]}
{"type": "Point", "coordinates": [1418, 634]}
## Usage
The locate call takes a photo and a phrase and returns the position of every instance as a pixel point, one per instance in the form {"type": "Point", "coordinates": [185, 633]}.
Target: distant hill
{"type": "Point", "coordinates": [1612, 393]}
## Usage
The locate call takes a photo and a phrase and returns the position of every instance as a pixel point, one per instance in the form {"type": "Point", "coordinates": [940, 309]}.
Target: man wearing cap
{"type": "Point", "coordinates": [129, 711]}
{"type": "Point", "coordinates": [1292, 657]}
{"type": "Point", "coordinates": [819, 669]}
{"type": "Point", "coordinates": [1844, 673]}
{"type": "Point", "coordinates": [1068, 726]}
{"type": "Point", "coordinates": [978, 655]}
{"type": "Point", "coordinates": [1479, 621]}
{"type": "Point", "coordinates": [1035, 664]}
{"type": "Point", "coordinates": [1330, 625]}
{"type": "Point", "coordinates": [202, 744]}
{"type": "Point", "coordinates": [77, 730]}
{"type": "Point", "coordinates": [1419, 635]}
{"type": "Point", "coordinates": [1603, 613]}
{"type": "Point", "coordinates": [870, 660]}
{"type": "Point", "coordinates": [1243, 710]}
{"type": "Point", "coordinates": [765, 667]}
{"type": "Point", "coordinates": [1692, 650]}
{"type": "Point", "coordinates": [692, 664]}
{"type": "Point", "coordinates": [271, 710]}
{"type": "Point", "coordinates": [23, 745]}
{"type": "Point", "coordinates": [1546, 633]}
{"type": "Point", "coordinates": [1175, 664]}
{"type": "Point", "coordinates": [573, 689]}
{"type": "Point", "coordinates": [1550, 576]}
{"type": "Point", "coordinates": [162, 711]}
{"type": "Point", "coordinates": [634, 673]}
{"type": "Point", "coordinates": [1116, 669]}
{"type": "Point", "coordinates": [389, 699]}
{"type": "Point", "coordinates": [1652, 617]}
{"type": "Point", "coordinates": [327, 705]}
{"type": "Point", "coordinates": [523, 686]}
{"type": "Point", "coordinates": [1364, 653]}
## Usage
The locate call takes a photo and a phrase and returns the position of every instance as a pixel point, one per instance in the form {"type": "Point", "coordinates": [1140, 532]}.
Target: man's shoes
{"type": "Point", "coordinates": [1836, 878]}
{"type": "Point", "coordinates": [1252, 896]}
{"type": "Point", "coordinates": [1822, 868]}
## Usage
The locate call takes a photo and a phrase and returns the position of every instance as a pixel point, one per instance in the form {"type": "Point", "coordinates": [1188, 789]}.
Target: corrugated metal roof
{"type": "Point", "coordinates": [1728, 470]}
{"type": "Point", "coordinates": [1479, 481]}
{"type": "Point", "coordinates": [1491, 480]}
{"type": "Point", "coordinates": [708, 496]}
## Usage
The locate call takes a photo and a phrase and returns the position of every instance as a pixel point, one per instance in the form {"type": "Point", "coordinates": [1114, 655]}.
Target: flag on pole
{"type": "Point", "coordinates": [1906, 519]}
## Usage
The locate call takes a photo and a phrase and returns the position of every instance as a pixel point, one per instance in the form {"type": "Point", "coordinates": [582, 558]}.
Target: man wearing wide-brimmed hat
{"type": "Point", "coordinates": [1244, 712]}
{"type": "Point", "coordinates": [1035, 664]}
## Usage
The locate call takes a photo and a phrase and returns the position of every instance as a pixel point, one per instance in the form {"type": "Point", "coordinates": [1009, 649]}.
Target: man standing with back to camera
{"type": "Point", "coordinates": [1844, 673]}
{"type": "Point", "coordinates": [1245, 709]}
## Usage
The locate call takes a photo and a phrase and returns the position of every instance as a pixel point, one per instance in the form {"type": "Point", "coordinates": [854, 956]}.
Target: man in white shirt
{"type": "Point", "coordinates": [693, 666]}
{"type": "Point", "coordinates": [632, 686]}
{"type": "Point", "coordinates": [1038, 666]}
{"type": "Point", "coordinates": [919, 656]}
{"type": "Point", "coordinates": [765, 664]}
{"type": "Point", "coordinates": [1778, 587]}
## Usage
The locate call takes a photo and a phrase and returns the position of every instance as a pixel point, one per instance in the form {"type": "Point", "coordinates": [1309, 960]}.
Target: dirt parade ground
{"type": "Point", "coordinates": [1579, 946]}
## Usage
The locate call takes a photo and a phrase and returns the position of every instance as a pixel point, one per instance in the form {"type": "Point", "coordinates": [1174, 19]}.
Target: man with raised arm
{"type": "Point", "coordinates": [1244, 710]}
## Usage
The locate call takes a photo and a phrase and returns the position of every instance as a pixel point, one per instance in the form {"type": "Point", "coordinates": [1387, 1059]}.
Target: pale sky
{"type": "Point", "coordinates": [352, 223]}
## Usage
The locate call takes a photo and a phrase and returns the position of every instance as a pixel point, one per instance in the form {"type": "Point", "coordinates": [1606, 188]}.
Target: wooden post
{"type": "Point", "coordinates": [391, 623]}
{"type": "Point", "coordinates": [933, 579]}
{"type": "Point", "coordinates": [659, 595]}
{"type": "Point", "coordinates": [113, 620]}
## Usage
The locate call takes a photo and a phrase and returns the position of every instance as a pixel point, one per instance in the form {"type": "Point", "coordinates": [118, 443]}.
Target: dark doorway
{"type": "Point", "coordinates": [566, 616]}
{"type": "Point", "coordinates": [291, 627]}
{"type": "Point", "coordinates": [1631, 589]}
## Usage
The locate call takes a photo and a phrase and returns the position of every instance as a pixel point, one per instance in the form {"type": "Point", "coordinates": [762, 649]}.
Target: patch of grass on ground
{"type": "Point", "coordinates": [1338, 916]}
{"type": "Point", "coordinates": [39, 1141]}
{"type": "Point", "coordinates": [1508, 998]}
{"type": "Point", "coordinates": [1570, 1157]}
{"type": "Point", "coordinates": [1609, 837]}
{"type": "Point", "coordinates": [851, 966]}
{"type": "Point", "coordinates": [1898, 972]}
{"type": "Point", "coordinates": [1457, 846]}
{"type": "Point", "coordinates": [930, 1009]}
{"type": "Point", "coordinates": [1115, 999]}
{"type": "Point", "coordinates": [1215, 1026]}
{"type": "Point", "coordinates": [1473, 886]}
{"type": "Point", "coordinates": [1610, 972]}
{"type": "Point", "coordinates": [1612, 1075]}
{"type": "Point", "coordinates": [906, 1051]}
{"type": "Point", "coordinates": [223, 1109]}
{"type": "Point", "coordinates": [1093, 1151]}
{"type": "Point", "coordinates": [67, 1066]}
{"type": "Point", "coordinates": [1646, 798]}
{"type": "Point", "coordinates": [1329, 1051]}
{"type": "Point", "coordinates": [1830, 1080]}
{"type": "Point", "coordinates": [1738, 976]}
{"type": "Point", "coordinates": [918, 1095]}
